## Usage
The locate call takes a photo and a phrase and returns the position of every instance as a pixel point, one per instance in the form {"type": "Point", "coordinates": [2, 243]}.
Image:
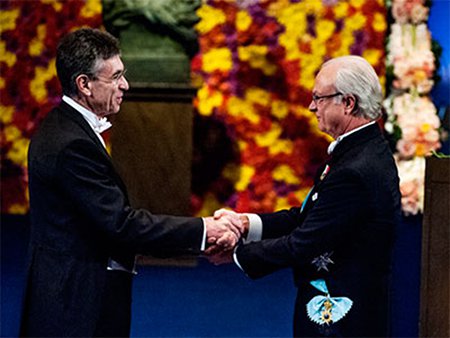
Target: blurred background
{"type": "Point", "coordinates": [217, 116]}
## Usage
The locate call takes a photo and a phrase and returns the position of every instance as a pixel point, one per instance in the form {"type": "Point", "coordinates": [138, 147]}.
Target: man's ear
{"type": "Point", "coordinates": [83, 84]}
{"type": "Point", "coordinates": [350, 104]}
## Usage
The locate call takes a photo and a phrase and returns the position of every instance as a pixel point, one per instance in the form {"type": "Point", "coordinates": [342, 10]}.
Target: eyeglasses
{"type": "Point", "coordinates": [317, 98]}
{"type": "Point", "coordinates": [115, 78]}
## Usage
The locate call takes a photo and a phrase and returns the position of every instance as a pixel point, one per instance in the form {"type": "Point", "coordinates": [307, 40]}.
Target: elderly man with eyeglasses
{"type": "Point", "coordinates": [338, 243]}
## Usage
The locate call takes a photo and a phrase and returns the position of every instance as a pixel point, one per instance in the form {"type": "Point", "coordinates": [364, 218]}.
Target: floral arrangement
{"type": "Point", "coordinates": [412, 117]}
{"type": "Point", "coordinates": [255, 72]}
{"type": "Point", "coordinates": [29, 88]}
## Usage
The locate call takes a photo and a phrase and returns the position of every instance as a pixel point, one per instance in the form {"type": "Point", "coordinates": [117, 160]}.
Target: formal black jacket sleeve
{"type": "Point", "coordinates": [342, 200]}
{"type": "Point", "coordinates": [89, 180]}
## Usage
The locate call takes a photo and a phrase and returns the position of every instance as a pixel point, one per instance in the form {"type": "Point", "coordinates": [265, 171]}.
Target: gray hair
{"type": "Point", "coordinates": [83, 52]}
{"type": "Point", "coordinates": [356, 76]}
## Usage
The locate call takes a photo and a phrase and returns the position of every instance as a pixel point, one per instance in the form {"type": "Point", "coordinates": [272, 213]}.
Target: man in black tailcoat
{"type": "Point", "coordinates": [84, 232]}
{"type": "Point", "coordinates": [339, 242]}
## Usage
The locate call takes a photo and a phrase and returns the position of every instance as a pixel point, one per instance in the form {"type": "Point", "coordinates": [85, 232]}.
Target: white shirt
{"type": "Point", "coordinates": [98, 124]}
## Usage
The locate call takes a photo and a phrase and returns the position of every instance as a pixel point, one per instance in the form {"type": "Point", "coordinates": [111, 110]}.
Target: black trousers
{"type": "Point", "coordinates": [115, 314]}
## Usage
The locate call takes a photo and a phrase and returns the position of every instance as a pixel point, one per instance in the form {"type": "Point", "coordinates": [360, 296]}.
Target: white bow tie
{"type": "Point", "coordinates": [102, 124]}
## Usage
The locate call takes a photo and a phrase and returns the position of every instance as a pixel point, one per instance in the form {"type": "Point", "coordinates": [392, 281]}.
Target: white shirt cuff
{"type": "Point", "coordinates": [255, 228]}
{"type": "Point", "coordinates": [236, 260]}
{"type": "Point", "coordinates": [254, 234]}
{"type": "Point", "coordinates": [203, 245]}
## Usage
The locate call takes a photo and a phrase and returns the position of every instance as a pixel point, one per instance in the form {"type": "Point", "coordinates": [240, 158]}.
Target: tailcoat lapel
{"type": "Point", "coordinates": [72, 114]}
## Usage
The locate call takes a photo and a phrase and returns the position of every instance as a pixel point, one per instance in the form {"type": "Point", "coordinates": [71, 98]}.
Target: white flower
{"type": "Point", "coordinates": [412, 175]}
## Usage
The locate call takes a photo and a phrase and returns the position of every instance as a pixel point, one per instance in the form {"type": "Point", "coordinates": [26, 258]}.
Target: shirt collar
{"type": "Point", "coordinates": [341, 137]}
{"type": "Point", "coordinates": [98, 124]}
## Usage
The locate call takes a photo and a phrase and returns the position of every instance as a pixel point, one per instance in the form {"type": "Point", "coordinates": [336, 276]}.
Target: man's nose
{"type": "Point", "coordinates": [312, 106]}
{"type": "Point", "coordinates": [124, 83]}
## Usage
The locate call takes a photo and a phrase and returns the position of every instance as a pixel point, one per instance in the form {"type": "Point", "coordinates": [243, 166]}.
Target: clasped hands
{"type": "Point", "coordinates": [223, 232]}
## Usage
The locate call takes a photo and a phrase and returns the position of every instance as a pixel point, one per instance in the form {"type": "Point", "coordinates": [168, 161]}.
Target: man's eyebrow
{"type": "Point", "coordinates": [117, 72]}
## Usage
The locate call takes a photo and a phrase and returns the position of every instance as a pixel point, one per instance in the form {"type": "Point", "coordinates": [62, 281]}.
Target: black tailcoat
{"type": "Point", "coordinates": [350, 215]}
{"type": "Point", "coordinates": [81, 217]}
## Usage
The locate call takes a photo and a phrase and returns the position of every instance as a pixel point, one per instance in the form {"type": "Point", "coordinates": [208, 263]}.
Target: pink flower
{"type": "Point", "coordinates": [419, 13]}
{"type": "Point", "coordinates": [407, 149]}
{"type": "Point", "coordinates": [400, 12]}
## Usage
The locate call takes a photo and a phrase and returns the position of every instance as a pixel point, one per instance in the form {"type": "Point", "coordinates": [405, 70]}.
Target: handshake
{"type": "Point", "coordinates": [223, 232]}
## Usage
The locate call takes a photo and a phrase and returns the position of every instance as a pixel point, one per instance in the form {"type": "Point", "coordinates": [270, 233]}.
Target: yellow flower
{"type": "Point", "coordinates": [245, 177]}
{"type": "Point", "coordinates": [241, 175]}
{"type": "Point", "coordinates": [290, 43]}
{"type": "Point", "coordinates": [42, 75]}
{"type": "Point", "coordinates": [18, 152]}
{"type": "Point", "coordinates": [257, 95]}
{"type": "Point", "coordinates": [5, 56]}
{"type": "Point", "coordinates": [242, 145]}
{"type": "Point", "coordinates": [318, 47]}
{"type": "Point", "coordinates": [383, 83]}
{"type": "Point", "coordinates": [208, 100]}
{"type": "Point", "coordinates": [286, 174]}
{"type": "Point", "coordinates": [242, 108]}
{"type": "Point", "coordinates": [6, 114]}
{"type": "Point", "coordinates": [276, 7]}
{"type": "Point", "coordinates": [11, 133]}
{"type": "Point", "coordinates": [281, 146]}
{"type": "Point", "coordinates": [57, 5]}
{"type": "Point", "coordinates": [243, 21]}
{"type": "Point", "coordinates": [268, 138]}
{"type": "Point", "coordinates": [311, 62]}
{"type": "Point", "coordinates": [268, 68]}
{"type": "Point", "coordinates": [8, 19]}
{"type": "Point", "coordinates": [217, 59]}
{"type": "Point", "coordinates": [340, 9]}
{"type": "Point", "coordinates": [373, 56]}
{"type": "Point", "coordinates": [293, 18]}
{"type": "Point", "coordinates": [379, 22]}
{"type": "Point", "coordinates": [421, 150]}
{"type": "Point", "coordinates": [425, 128]}
{"type": "Point", "coordinates": [309, 68]}
{"type": "Point", "coordinates": [324, 28]}
{"type": "Point", "coordinates": [356, 21]}
{"type": "Point", "coordinates": [312, 6]}
{"type": "Point", "coordinates": [37, 44]}
{"type": "Point", "coordinates": [280, 109]}
{"type": "Point", "coordinates": [256, 57]}
{"type": "Point", "coordinates": [357, 3]}
{"type": "Point", "coordinates": [347, 39]}
{"type": "Point", "coordinates": [419, 75]}
{"type": "Point", "coordinates": [281, 203]}
{"type": "Point", "coordinates": [209, 18]}
{"type": "Point", "coordinates": [91, 8]}
{"type": "Point", "coordinates": [18, 209]}
{"type": "Point", "coordinates": [304, 112]}
{"type": "Point", "coordinates": [306, 82]}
